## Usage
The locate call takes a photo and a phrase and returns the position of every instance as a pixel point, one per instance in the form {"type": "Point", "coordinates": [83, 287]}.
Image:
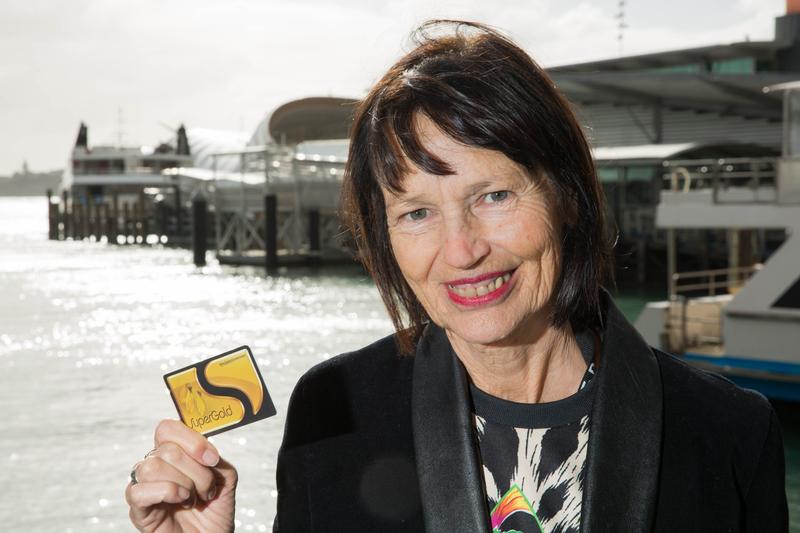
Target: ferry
{"type": "Point", "coordinates": [142, 179]}
{"type": "Point", "coordinates": [742, 321]}
{"type": "Point", "coordinates": [97, 173]}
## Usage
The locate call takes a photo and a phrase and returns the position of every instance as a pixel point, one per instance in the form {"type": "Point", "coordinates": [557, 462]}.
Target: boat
{"type": "Point", "coordinates": [99, 172]}
{"type": "Point", "coordinates": [114, 187]}
{"type": "Point", "coordinates": [743, 320]}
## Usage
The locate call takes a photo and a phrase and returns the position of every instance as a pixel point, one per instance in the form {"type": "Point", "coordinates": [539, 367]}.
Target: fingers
{"type": "Point", "coordinates": [144, 495]}
{"type": "Point", "coordinates": [182, 469]}
{"type": "Point", "coordinates": [170, 462]}
{"type": "Point", "coordinates": [194, 444]}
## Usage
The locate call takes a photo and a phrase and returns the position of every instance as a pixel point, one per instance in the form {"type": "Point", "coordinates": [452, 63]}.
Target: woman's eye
{"type": "Point", "coordinates": [417, 214]}
{"type": "Point", "coordinates": [497, 196]}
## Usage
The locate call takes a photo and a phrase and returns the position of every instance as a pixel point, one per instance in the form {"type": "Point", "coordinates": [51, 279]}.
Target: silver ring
{"type": "Point", "coordinates": [148, 454]}
{"type": "Point", "coordinates": [134, 481]}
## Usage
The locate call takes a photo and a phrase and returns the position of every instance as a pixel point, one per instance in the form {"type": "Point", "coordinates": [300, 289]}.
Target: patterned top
{"type": "Point", "coordinates": [534, 456]}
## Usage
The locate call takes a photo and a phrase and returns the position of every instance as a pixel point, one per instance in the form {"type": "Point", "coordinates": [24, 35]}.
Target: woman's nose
{"type": "Point", "coordinates": [464, 245]}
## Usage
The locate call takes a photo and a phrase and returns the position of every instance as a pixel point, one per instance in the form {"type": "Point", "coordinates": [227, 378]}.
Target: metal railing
{"type": "Point", "coordinates": [695, 322]}
{"type": "Point", "coordinates": [710, 281]}
{"type": "Point", "coordinates": [720, 175]}
{"type": "Point", "coordinates": [277, 170]}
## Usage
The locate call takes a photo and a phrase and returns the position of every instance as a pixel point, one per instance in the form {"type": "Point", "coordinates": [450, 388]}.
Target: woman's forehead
{"type": "Point", "coordinates": [464, 160]}
{"type": "Point", "coordinates": [467, 180]}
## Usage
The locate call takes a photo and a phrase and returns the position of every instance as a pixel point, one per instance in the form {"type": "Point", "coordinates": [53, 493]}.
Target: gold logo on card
{"type": "Point", "coordinates": [220, 393]}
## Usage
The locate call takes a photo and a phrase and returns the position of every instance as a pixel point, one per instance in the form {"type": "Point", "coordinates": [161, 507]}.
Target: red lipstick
{"type": "Point", "coordinates": [478, 279]}
{"type": "Point", "coordinates": [484, 299]}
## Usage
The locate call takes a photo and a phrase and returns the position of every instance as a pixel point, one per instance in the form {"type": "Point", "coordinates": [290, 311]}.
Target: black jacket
{"type": "Point", "coordinates": [376, 441]}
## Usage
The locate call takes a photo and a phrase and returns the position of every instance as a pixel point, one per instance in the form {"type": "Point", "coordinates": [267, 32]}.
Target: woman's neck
{"type": "Point", "coordinates": [545, 369]}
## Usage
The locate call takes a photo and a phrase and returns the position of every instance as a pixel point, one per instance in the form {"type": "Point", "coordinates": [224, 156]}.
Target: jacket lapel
{"type": "Point", "coordinates": [450, 481]}
{"type": "Point", "coordinates": [621, 488]}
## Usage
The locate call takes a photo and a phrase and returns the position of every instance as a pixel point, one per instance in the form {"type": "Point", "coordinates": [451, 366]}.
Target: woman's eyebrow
{"type": "Point", "coordinates": [399, 200]}
{"type": "Point", "coordinates": [402, 200]}
{"type": "Point", "coordinates": [479, 186]}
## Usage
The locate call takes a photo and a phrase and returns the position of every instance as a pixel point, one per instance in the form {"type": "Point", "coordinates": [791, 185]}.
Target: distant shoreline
{"type": "Point", "coordinates": [32, 184]}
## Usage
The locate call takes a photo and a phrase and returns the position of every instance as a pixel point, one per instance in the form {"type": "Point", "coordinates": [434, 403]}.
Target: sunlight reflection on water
{"type": "Point", "coordinates": [89, 329]}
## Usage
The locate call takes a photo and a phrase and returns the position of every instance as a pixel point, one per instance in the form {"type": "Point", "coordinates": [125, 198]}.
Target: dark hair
{"type": "Point", "coordinates": [482, 90]}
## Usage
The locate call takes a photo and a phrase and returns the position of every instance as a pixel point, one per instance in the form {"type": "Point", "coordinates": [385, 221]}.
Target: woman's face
{"type": "Point", "coordinates": [479, 248]}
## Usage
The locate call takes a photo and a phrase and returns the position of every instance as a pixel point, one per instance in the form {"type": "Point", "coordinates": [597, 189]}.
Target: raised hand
{"type": "Point", "coordinates": [182, 485]}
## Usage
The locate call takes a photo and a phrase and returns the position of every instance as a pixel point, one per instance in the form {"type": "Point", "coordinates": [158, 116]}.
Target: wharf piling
{"type": "Point", "coordinates": [106, 225]}
{"type": "Point", "coordinates": [314, 243]}
{"type": "Point", "coordinates": [52, 217]}
{"type": "Point", "coordinates": [91, 219]}
{"type": "Point", "coordinates": [126, 223]}
{"type": "Point", "coordinates": [178, 211]}
{"type": "Point", "coordinates": [271, 232]}
{"type": "Point", "coordinates": [114, 219]}
{"type": "Point", "coordinates": [277, 209]}
{"type": "Point", "coordinates": [64, 214]}
{"type": "Point", "coordinates": [199, 228]}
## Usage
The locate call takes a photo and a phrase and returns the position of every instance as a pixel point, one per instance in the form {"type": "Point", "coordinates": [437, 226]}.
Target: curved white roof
{"type": "Point", "coordinates": [312, 118]}
{"type": "Point", "coordinates": [643, 151]}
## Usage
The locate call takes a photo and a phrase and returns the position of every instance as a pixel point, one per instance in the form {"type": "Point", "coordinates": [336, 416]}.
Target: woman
{"type": "Point", "coordinates": [514, 395]}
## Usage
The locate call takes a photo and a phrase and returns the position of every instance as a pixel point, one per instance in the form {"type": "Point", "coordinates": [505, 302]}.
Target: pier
{"type": "Point", "coordinates": [278, 209]}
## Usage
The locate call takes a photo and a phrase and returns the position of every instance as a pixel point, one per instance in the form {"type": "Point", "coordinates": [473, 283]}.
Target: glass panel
{"type": "Point", "coordinates": [739, 65]}
{"type": "Point", "coordinates": [608, 174]}
{"type": "Point", "coordinates": [640, 173]}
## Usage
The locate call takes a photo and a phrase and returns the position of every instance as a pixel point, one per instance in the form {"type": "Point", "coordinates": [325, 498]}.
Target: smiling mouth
{"type": "Point", "coordinates": [480, 288]}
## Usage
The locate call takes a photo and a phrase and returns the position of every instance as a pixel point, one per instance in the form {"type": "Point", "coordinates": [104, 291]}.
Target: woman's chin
{"type": "Point", "coordinates": [484, 334]}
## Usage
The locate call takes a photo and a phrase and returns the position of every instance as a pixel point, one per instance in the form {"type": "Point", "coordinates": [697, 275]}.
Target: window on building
{"type": "Point", "coordinates": [608, 174]}
{"type": "Point", "coordinates": [640, 185]}
{"type": "Point", "coordinates": [738, 65]}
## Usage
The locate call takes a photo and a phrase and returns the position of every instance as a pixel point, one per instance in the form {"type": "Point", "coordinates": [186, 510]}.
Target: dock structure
{"type": "Point", "coordinates": [251, 199]}
{"type": "Point", "coordinates": [280, 207]}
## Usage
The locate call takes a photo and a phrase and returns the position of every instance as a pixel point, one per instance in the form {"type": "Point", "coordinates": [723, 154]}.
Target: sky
{"type": "Point", "coordinates": [137, 69]}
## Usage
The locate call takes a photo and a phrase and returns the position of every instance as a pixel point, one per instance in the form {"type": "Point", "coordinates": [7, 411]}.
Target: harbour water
{"type": "Point", "coordinates": [87, 331]}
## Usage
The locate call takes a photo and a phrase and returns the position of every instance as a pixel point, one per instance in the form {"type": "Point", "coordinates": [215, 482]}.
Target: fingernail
{"type": "Point", "coordinates": [183, 493]}
{"type": "Point", "coordinates": [210, 457]}
{"type": "Point", "coordinates": [212, 493]}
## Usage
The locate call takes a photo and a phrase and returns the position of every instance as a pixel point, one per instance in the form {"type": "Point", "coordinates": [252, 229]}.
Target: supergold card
{"type": "Point", "coordinates": [220, 393]}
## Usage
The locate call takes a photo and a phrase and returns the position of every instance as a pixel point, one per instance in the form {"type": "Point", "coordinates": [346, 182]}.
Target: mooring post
{"type": "Point", "coordinates": [137, 222]}
{"type": "Point", "coordinates": [76, 219]}
{"type": "Point", "coordinates": [73, 220]}
{"type": "Point", "coordinates": [105, 222]}
{"type": "Point", "coordinates": [65, 213]}
{"type": "Point", "coordinates": [270, 232]}
{"type": "Point", "coordinates": [113, 223]}
{"type": "Point", "coordinates": [126, 217]}
{"type": "Point", "coordinates": [91, 214]}
{"type": "Point", "coordinates": [178, 212]}
{"type": "Point", "coordinates": [52, 217]}
{"type": "Point", "coordinates": [313, 236]}
{"type": "Point", "coordinates": [85, 221]}
{"type": "Point", "coordinates": [145, 220]}
{"type": "Point", "coordinates": [77, 210]}
{"type": "Point", "coordinates": [161, 218]}
{"type": "Point", "coordinates": [199, 228]}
